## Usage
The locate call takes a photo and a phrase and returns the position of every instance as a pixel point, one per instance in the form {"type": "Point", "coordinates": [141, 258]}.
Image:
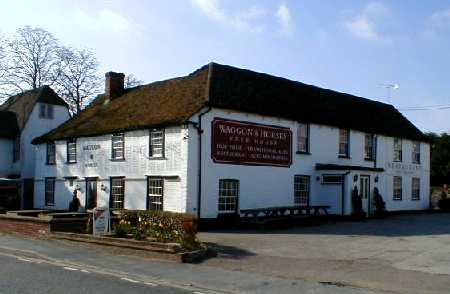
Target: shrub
{"type": "Point", "coordinates": [122, 229]}
{"type": "Point", "coordinates": [444, 204]}
{"type": "Point", "coordinates": [163, 226]}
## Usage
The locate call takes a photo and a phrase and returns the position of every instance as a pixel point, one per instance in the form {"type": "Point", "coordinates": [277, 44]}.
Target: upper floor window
{"type": "Point", "coordinates": [156, 148]}
{"type": "Point", "coordinates": [303, 138]}
{"type": "Point", "coordinates": [72, 151]}
{"type": "Point", "coordinates": [46, 111]}
{"type": "Point", "coordinates": [344, 143]}
{"type": "Point", "coordinates": [369, 147]}
{"type": "Point", "coordinates": [117, 142]}
{"type": "Point", "coordinates": [416, 152]}
{"type": "Point", "coordinates": [397, 149]}
{"type": "Point", "coordinates": [16, 149]}
{"type": "Point", "coordinates": [51, 154]}
{"type": "Point", "coordinates": [397, 188]}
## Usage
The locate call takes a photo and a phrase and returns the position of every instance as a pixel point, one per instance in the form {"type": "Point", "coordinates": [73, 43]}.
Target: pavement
{"type": "Point", "coordinates": [400, 254]}
{"type": "Point", "coordinates": [101, 265]}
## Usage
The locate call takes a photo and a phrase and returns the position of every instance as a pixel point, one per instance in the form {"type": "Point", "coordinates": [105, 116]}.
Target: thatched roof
{"type": "Point", "coordinates": [22, 104]}
{"type": "Point", "coordinates": [176, 100]}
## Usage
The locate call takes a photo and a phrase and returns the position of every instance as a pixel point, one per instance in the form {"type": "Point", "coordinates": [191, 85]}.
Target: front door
{"type": "Point", "coordinates": [91, 193]}
{"type": "Point", "coordinates": [364, 189]}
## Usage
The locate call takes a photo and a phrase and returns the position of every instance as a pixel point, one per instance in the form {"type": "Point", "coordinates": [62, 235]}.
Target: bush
{"type": "Point", "coordinates": [444, 204]}
{"type": "Point", "coordinates": [122, 229]}
{"type": "Point", "coordinates": [163, 226]}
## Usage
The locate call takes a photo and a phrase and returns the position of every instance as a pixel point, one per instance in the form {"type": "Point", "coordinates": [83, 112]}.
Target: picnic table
{"type": "Point", "coordinates": [288, 211]}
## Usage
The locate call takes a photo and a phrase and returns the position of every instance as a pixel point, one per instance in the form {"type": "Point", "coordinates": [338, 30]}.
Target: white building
{"type": "Point", "coordinates": [223, 139]}
{"type": "Point", "coordinates": [22, 118]}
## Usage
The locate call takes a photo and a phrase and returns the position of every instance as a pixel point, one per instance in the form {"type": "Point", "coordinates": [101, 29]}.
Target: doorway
{"type": "Point", "coordinates": [91, 193]}
{"type": "Point", "coordinates": [364, 188]}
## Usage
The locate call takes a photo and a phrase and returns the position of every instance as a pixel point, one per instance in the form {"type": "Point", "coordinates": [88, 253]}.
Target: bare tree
{"type": "Point", "coordinates": [132, 81]}
{"type": "Point", "coordinates": [78, 78]}
{"type": "Point", "coordinates": [32, 58]}
{"type": "Point", "coordinates": [3, 68]}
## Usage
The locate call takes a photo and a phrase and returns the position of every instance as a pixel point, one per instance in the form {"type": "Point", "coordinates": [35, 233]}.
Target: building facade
{"type": "Point", "coordinates": [221, 140]}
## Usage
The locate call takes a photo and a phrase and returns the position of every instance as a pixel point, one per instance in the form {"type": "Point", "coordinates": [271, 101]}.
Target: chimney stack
{"type": "Point", "coordinates": [114, 84]}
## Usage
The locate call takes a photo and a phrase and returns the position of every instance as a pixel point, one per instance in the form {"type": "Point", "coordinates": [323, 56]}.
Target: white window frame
{"type": "Point", "coordinates": [369, 147]}
{"type": "Point", "coordinates": [118, 146]}
{"type": "Point", "coordinates": [301, 189]}
{"type": "Point", "coordinates": [415, 153]}
{"type": "Point", "coordinates": [344, 143]}
{"type": "Point", "coordinates": [155, 187]}
{"type": "Point", "coordinates": [156, 143]}
{"type": "Point", "coordinates": [415, 189]}
{"type": "Point", "coordinates": [397, 186]}
{"type": "Point", "coordinates": [117, 195]}
{"type": "Point", "coordinates": [72, 151]}
{"type": "Point", "coordinates": [228, 196]}
{"type": "Point", "coordinates": [49, 191]}
{"type": "Point", "coordinates": [303, 138]}
{"type": "Point", "coordinates": [398, 150]}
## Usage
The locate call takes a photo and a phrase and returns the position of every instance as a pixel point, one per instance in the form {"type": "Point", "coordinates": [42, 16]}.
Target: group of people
{"type": "Point", "coordinates": [378, 203]}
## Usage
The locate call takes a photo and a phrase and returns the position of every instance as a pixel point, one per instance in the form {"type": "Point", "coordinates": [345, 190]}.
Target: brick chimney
{"type": "Point", "coordinates": [114, 84]}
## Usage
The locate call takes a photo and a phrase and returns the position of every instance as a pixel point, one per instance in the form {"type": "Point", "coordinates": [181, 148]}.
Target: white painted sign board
{"type": "Point", "coordinates": [101, 221]}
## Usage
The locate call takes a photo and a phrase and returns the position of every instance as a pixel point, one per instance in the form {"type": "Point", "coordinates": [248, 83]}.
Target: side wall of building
{"type": "Point", "coordinates": [94, 161]}
{"type": "Point", "coordinates": [6, 157]}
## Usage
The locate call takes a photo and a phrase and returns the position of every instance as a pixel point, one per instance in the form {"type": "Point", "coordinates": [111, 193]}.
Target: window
{"type": "Point", "coordinates": [46, 111]}
{"type": "Point", "coordinates": [397, 149]}
{"type": "Point", "coordinates": [16, 149]}
{"type": "Point", "coordinates": [228, 196]}
{"type": "Point", "coordinates": [416, 152]}
{"type": "Point", "coordinates": [155, 193]}
{"type": "Point", "coordinates": [49, 191]}
{"type": "Point", "coordinates": [117, 143]}
{"type": "Point", "coordinates": [156, 143]}
{"type": "Point", "coordinates": [301, 190]}
{"type": "Point", "coordinates": [51, 156]}
{"type": "Point", "coordinates": [415, 189]}
{"type": "Point", "coordinates": [344, 143]}
{"type": "Point", "coordinates": [117, 193]}
{"type": "Point", "coordinates": [331, 179]}
{"type": "Point", "coordinates": [397, 188]}
{"type": "Point", "coordinates": [72, 151]}
{"type": "Point", "coordinates": [303, 138]}
{"type": "Point", "coordinates": [369, 147]}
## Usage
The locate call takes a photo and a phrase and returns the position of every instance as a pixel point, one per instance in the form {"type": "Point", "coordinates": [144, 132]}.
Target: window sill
{"type": "Point", "coordinates": [397, 199]}
{"type": "Point", "coordinates": [157, 158]}
{"type": "Point", "coordinates": [73, 162]}
{"type": "Point", "coordinates": [304, 153]}
{"type": "Point", "coordinates": [117, 159]}
{"type": "Point", "coordinates": [344, 156]}
{"type": "Point", "coordinates": [415, 199]}
{"type": "Point", "coordinates": [397, 161]}
{"type": "Point", "coordinates": [50, 163]}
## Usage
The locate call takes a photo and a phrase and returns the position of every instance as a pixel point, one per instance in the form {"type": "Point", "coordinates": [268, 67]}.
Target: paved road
{"type": "Point", "coordinates": [28, 276]}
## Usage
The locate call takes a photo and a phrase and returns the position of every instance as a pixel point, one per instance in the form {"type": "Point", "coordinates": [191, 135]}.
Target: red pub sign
{"type": "Point", "coordinates": [237, 142]}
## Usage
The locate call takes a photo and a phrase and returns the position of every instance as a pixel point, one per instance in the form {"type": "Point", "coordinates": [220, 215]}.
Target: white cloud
{"type": "Point", "coordinates": [438, 22]}
{"type": "Point", "coordinates": [365, 24]}
{"type": "Point", "coordinates": [246, 20]}
{"type": "Point", "coordinates": [285, 19]}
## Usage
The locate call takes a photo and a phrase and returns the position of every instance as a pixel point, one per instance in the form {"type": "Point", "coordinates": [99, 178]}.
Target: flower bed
{"type": "Point", "coordinates": [158, 226]}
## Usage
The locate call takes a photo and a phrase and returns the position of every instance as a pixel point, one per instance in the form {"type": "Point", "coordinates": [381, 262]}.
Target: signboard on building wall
{"type": "Point", "coordinates": [237, 142]}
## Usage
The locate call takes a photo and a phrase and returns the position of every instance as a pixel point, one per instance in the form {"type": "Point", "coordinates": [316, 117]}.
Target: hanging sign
{"type": "Point", "coordinates": [236, 142]}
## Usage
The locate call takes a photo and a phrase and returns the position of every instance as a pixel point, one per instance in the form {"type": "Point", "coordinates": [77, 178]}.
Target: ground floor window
{"type": "Point", "coordinates": [155, 193]}
{"type": "Point", "coordinates": [301, 190]}
{"type": "Point", "coordinates": [49, 191]}
{"type": "Point", "coordinates": [117, 193]}
{"type": "Point", "coordinates": [228, 195]}
{"type": "Point", "coordinates": [415, 189]}
{"type": "Point", "coordinates": [397, 188]}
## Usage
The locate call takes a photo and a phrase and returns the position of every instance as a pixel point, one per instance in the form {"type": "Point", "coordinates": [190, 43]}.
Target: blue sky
{"type": "Point", "coordinates": [349, 46]}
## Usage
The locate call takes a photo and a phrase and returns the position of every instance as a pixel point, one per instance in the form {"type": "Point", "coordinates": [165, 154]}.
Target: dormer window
{"type": "Point", "coordinates": [156, 149]}
{"type": "Point", "coordinates": [71, 151]}
{"type": "Point", "coordinates": [46, 111]}
{"type": "Point", "coordinates": [117, 142]}
{"type": "Point", "coordinates": [51, 154]}
{"type": "Point", "coordinates": [398, 149]}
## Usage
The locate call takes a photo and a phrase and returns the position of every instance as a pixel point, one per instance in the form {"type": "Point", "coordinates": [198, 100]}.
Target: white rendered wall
{"type": "Point", "coordinates": [264, 186]}
{"type": "Point", "coordinates": [135, 168]}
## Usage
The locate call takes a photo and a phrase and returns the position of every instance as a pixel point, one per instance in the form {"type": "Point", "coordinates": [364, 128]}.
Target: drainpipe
{"type": "Point", "coordinates": [198, 126]}
{"type": "Point", "coordinates": [344, 177]}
